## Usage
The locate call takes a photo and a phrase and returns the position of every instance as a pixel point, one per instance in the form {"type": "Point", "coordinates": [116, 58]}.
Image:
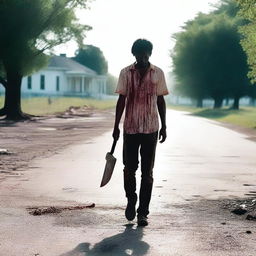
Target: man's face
{"type": "Point", "coordinates": [142, 59]}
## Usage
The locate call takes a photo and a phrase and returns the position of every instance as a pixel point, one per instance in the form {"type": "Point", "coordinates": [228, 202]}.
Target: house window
{"type": "Point", "coordinates": [29, 82]}
{"type": "Point", "coordinates": [57, 83]}
{"type": "Point", "coordinates": [42, 82]}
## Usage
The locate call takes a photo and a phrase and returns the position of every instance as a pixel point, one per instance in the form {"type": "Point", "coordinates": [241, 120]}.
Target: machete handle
{"type": "Point", "coordinates": [113, 147]}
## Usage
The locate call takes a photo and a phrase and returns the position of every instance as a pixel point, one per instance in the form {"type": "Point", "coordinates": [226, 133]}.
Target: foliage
{"type": "Point", "coordinates": [188, 58]}
{"type": "Point", "coordinates": [92, 57]}
{"type": "Point", "coordinates": [111, 84]}
{"type": "Point", "coordinates": [208, 58]}
{"type": "Point", "coordinates": [228, 7]}
{"type": "Point", "coordinates": [248, 12]}
{"type": "Point", "coordinates": [29, 27]}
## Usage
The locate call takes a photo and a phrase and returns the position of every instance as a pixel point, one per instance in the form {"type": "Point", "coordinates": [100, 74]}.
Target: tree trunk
{"type": "Point", "coordinates": [218, 103]}
{"type": "Point", "coordinates": [177, 100]}
{"type": "Point", "coordinates": [252, 101]}
{"type": "Point", "coordinates": [12, 104]}
{"type": "Point", "coordinates": [199, 103]}
{"type": "Point", "coordinates": [236, 103]}
{"type": "Point", "coordinates": [2, 111]}
{"type": "Point", "coordinates": [227, 102]}
{"type": "Point", "coordinates": [3, 82]}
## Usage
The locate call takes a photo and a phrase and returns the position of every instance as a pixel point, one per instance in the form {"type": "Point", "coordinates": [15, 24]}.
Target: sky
{"type": "Point", "coordinates": [118, 23]}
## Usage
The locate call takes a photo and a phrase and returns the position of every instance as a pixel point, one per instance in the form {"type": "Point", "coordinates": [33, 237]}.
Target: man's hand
{"type": "Point", "coordinates": [116, 133]}
{"type": "Point", "coordinates": [162, 135]}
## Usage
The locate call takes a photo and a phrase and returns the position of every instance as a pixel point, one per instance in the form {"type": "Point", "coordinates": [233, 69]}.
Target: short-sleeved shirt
{"type": "Point", "coordinates": [141, 114]}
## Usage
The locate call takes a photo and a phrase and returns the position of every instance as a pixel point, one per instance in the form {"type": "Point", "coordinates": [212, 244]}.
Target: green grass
{"type": "Point", "coordinates": [245, 116]}
{"type": "Point", "coordinates": [1, 101]}
{"type": "Point", "coordinates": [40, 106]}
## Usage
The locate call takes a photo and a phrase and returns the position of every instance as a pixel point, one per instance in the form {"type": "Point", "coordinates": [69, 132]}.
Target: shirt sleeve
{"type": "Point", "coordinates": [121, 84]}
{"type": "Point", "coordinates": [162, 87]}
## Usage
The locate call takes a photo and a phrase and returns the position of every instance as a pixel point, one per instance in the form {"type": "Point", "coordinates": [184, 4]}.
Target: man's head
{"type": "Point", "coordinates": [142, 50]}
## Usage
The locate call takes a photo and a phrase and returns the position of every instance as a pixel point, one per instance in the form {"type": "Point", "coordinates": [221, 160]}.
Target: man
{"type": "Point", "coordinates": [141, 87]}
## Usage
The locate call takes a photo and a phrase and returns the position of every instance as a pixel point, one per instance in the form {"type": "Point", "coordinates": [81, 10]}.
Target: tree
{"type": "Point", "coordinates": [92, 57]}
{"type": "Point", "coordinates": [229, 8]}
{"type": "Point", "coordinates": [248, 30]}
{"type": "Point", "coordinates": [241, 84]}
{"type": "Point", "coordinates": [248, 12]}
{"type": "Point", "coordinates": [111, 84]}
{"type": "Point", "coordinates": [231, 59]}
{"type": "Point", "coordinates": [208, 58]}
{"type": "Point", "coordinates": [189, 60]}
{"type": "Point", "coordinates": [28, 28]}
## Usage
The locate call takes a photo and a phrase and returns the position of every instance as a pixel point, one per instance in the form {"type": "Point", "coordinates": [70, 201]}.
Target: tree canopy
{"type": "Point", "coordinates": [92, 57]}
{"type": "Point", "coordinates": [111, 84]}
{"type": "Point", "coordinates": [27, 29]}
{"type": "Point", "coordinates": [248, 12]}
{"type": "Point", "coordinates": [208, 59]}
{"type": "Point", "coordinates": [188, 61]}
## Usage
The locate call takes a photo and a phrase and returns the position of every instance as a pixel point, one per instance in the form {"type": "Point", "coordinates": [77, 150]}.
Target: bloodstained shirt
{"type": "Point", "coordinates": [141, 115]}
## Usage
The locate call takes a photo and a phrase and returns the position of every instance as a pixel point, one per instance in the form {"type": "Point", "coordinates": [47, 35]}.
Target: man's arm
{"type": "Point", "coordinates": [162, 112]}
{"type": "Point", "coordinates": [119, 111]}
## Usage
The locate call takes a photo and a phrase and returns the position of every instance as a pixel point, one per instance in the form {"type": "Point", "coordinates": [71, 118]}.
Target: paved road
{"type": "Point", "coordinates": [200, 166]}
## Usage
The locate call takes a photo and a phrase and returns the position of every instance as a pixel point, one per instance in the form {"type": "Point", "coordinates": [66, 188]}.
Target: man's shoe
{"type": "Point", "coordinates": [142, 220]}
{"type": "Point", "coordinates": [130, 211]}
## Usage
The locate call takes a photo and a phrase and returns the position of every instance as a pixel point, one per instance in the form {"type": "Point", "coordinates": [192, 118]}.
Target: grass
{"type": "Point", "coordinates": [245, 116]}
{"type": "Point", "coordinates": [40, 105]}
{"type": "Point", "coordinates": [1, 101]}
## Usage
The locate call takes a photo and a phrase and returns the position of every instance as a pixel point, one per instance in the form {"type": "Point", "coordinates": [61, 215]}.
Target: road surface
{"type": "Point", "coordinates": [200, 167]}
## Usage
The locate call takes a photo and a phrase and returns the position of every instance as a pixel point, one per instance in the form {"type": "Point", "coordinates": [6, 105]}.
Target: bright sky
{"type": "Point", "coordinates": [118, 23]}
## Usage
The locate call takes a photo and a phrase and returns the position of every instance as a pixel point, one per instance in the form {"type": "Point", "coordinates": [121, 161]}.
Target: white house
{"type": "Point", "coordinates": [64, 77]}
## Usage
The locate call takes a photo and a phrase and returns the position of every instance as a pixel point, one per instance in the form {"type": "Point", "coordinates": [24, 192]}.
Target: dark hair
{"type": "Point", "coordinates": [142, 46]}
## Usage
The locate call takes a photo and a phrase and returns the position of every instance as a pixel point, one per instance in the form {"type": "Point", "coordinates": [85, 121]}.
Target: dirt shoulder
{"type": "Point", "coordinates": [44, 136]}
{"type": "Point", "coordinates": [251, 133]}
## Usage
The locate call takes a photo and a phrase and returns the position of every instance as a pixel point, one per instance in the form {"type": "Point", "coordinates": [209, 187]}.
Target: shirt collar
{"type": "Point", "coordinates": [151, 66]}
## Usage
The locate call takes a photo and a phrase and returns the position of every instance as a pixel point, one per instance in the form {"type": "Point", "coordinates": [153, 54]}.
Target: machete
{"type": "Point", "coordinates": [109, 167]}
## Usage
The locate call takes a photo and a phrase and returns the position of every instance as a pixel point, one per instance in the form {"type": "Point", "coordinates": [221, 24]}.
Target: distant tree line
{"type": "Point", "coordinates": [208, 58]}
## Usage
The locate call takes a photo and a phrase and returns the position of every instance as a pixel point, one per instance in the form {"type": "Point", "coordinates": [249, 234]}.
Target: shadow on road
{"type": "Point", "coordinates": [127, 243]}
{"type": "Point", "coordinates": [217, 113]}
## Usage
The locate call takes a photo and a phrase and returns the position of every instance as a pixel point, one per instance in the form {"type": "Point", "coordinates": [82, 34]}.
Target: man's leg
{"type": "Point", "coordinates": [130, 160]}
{"type": "Point", "coordinates": [147, 151]}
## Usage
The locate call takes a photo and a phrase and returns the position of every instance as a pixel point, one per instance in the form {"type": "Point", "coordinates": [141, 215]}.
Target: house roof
{"type": "Point", "coordinates": [69, 65]}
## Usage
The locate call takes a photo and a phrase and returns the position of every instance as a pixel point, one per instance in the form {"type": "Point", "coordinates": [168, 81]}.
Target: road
{"type": "Point", "coordinates": [201, 166]}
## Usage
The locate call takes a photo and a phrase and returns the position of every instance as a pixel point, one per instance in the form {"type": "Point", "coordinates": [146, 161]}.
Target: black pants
{"type": "Point", "coordinates": [147, 145]}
